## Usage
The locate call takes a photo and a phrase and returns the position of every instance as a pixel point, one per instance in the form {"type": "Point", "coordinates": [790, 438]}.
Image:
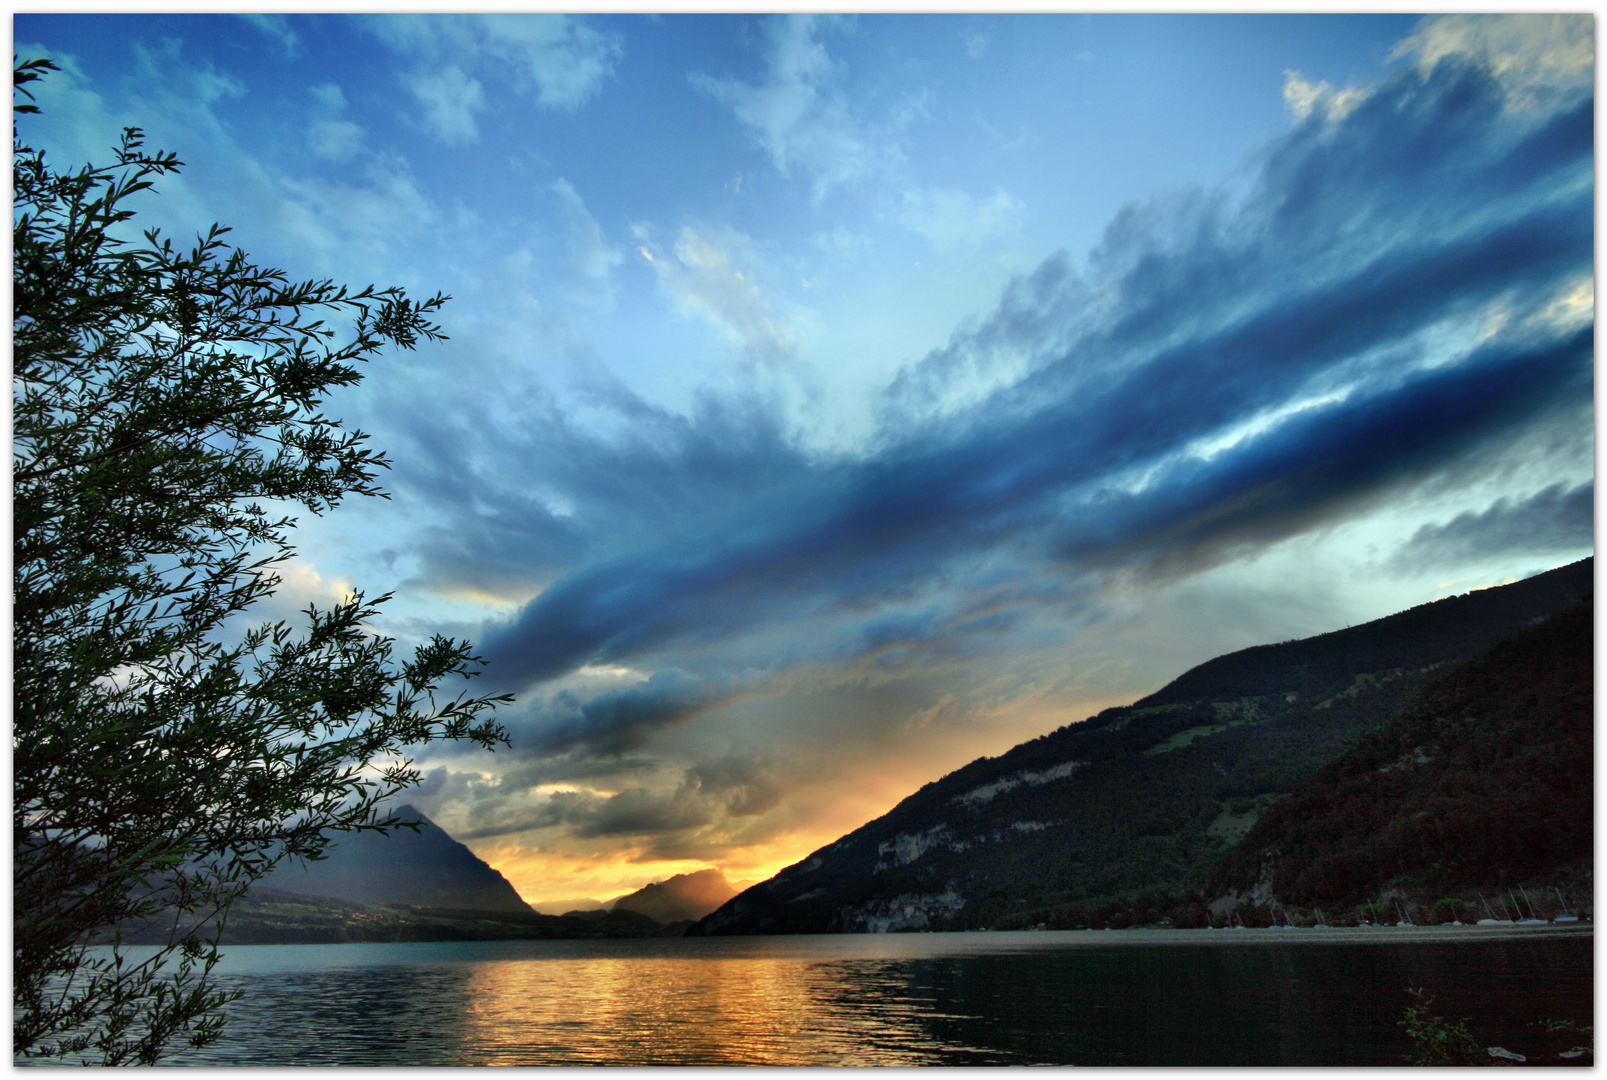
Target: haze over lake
{"type": "Point", "coordinates": [1255, 997]}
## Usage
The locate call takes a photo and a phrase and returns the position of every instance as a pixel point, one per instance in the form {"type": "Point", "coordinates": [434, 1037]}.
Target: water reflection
{"type": "Point", "coordinates": [1169, 999]}
{"type": "Point", "coordinates": [705, 1009]}
{"type": "Point", "coordinates": [341, 1016]}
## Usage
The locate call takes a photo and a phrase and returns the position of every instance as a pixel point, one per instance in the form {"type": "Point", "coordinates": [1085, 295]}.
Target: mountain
{"type": "Point", "coordinates": [266, 916]}
{"type": "Point", "coordinates": [426, 868]}
{"type": "Point", "coordinates": [1141, 798]}
{"type": "Point", "coordinates": [686, 897]}
{"type": "Point", "coordinates": [1487, 780]}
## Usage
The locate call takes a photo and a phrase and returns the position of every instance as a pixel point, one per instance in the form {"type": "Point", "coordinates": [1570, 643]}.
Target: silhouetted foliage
{"type": "Point", "coordinates": [1438, 1041]}
{"type": "Point", "coordinates": [161, 401]}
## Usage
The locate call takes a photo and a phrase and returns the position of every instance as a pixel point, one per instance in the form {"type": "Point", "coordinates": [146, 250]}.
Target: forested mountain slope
{"type": "Point", "coordinates": [1485, 781]}
{"type": "Point", "coordinates": [1140, 797]}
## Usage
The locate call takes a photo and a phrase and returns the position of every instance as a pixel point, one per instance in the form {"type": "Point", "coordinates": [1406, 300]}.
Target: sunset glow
{"type": "Point", "coordinates": [831, 401]}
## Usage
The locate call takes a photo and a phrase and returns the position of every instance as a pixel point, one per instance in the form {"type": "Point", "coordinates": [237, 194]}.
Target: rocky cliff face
{"type": "Point", "coordinates": [426, 868]}
{"type": "Point", "coordinates": [1139, 797]}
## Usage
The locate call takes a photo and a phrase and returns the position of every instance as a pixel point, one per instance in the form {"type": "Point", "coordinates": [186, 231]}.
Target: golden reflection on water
{"type": "Point", "coordinates": [661, 1010]}
{"type": "Point", "coordinates": [1114, 998]}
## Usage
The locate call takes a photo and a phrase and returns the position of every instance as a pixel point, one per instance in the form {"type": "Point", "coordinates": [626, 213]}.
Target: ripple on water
{"type": "Point", "coordinates": [973, 999]}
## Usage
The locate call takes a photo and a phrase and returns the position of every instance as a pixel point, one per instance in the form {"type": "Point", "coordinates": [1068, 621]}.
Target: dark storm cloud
{"type": "Point", "coordinates": [506, 531]}
{"type": "Point", "coordinates": [1319, 465]}
{"type": "Point", "coordinates": [1556, 518]}
{"type": "Point", "coordinates": [1324, 303]}
{"type": "Point", "coordinates": [743, 784]}
{"type": "Point", "coordinates": [734, 786]}
{"type": "Point", "coordinates": [572, 766]}
{"type": "Point", "coordinates": [635, 812]}
{"type": "Point", "coordinates": [693, 817]}
{"type": "Point", "coordinates": [616, 721]}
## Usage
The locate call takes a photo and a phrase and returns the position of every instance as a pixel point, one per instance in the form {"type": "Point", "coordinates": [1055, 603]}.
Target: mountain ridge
{"type": "Point", "coordinates": [423, 867]}
{"type": "Point", "coordinates": [1393, 640]}
{"type": "Point", "coordinates": [682, 898]}
{"type": "Point", "coordinates": [1140, 796]}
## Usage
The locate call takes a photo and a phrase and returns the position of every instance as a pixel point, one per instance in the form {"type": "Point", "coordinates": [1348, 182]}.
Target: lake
{"type": "Point", "coordinates": [1159, 997]}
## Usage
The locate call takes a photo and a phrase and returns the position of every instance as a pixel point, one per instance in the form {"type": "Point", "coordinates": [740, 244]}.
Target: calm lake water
{"type": "Point", "coordinates": [1251, 997]}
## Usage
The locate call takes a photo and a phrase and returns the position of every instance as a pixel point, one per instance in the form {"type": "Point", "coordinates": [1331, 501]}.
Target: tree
{"type": "Point", "coordinates": [165, 755]}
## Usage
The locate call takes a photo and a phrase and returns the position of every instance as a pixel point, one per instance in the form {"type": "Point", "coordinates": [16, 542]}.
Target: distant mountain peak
{"type": "Point", "coordinates": [423, 867]}
{"type": "Point", "coordinates": [684, 896]}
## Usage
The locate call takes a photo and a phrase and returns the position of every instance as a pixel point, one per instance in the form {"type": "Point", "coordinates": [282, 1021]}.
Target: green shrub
{"type": "Point", "coordinates": [1438, 1041]}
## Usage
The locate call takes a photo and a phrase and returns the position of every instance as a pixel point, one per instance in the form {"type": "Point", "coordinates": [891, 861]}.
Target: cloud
{"type": "Point", "coordinates": [564, 58]}
{"type": "Point", "coordinates": [574, 767]}
{"type": "Point", "coordinates": [617, 721]}
{"type": "Point", "coordinates": [559, 59]}
{"type": "Point", "coordinates": [1305, 98]}
{"type": "Point", "coordinates": [732, 797]}
{"type": "Point", "coordinates": [1534, 57]}
{"type": "Point", "coordinates": [748, 784]}
{"type": "Point", "coordinates": [798, 115]}
{"type": "Point", "coordinates": [198, 85]}
{"type": "Point", "coordinates": [360, 218]}
{"type": "Point", "coordinates": [591, 259]}
{"type": "Point", "coordinates": [612, 471]}
{"type": "Point", "coordinates": [951, 219]}
{"type": "Point", "coordinates": [1323, 465]}
{"type": "Point", "coordinates": [278, 28]}
{"type": "Point", "coordinates": [1554, 519]}
{"type": "Point", "coordinates": [665, 813]}
{"type": "Point", "coordinates": [299, 587]}
{"type": "Point", "coordinates": [329, 135]}
{"type": "Point", "coordinates": [1038, 315]}
{"type": "Point", "coordinates": [450, 99]}
{"type": "Point", "coordinates": [714, 275]}
{"type": "Point", "coordinates": [1225, 375]}
{"type": "Point", "coordinates": [352, 224]}
{"type": "Point", "coordinates": [1536, 60]}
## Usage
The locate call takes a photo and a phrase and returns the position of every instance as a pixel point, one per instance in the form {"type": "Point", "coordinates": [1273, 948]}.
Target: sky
{"type": "Point", "coordinates": [831, 401]}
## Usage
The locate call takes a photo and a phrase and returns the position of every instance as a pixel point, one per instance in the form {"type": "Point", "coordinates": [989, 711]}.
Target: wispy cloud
{"type": "Point", "coordinates": [559, 59]}
{"type": "Point", "coordinates": [715, 275]}
{"type": "Point", "coordinates": [351, 223]}
{"type": "Point", "coordinates": [799, 115]}
{"type": "Point", "coordinates": [450, 99]}
{"type": "Point", "coordinates": [590, 259]}
{"type": "Point", "coordinates": [1305, 98]}
{"type": "Point", "coordinates": [278, 28]}
{"type": "Point", "coordinates": [359, 219]}
{"type": "Point", "coordinates": [949, 219]}
{"type": "Point", "coordinates": [1534, 57]}
{"type": "Point", "coordinates": [330, 135]}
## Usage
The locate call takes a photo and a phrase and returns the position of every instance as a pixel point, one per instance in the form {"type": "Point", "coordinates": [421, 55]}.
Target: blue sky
{"type": "Point", "coordinates": [831, 401]}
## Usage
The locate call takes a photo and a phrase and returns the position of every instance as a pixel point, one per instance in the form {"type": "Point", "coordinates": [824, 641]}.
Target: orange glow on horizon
{"type": "Point", "coordinates": [546, 867]}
